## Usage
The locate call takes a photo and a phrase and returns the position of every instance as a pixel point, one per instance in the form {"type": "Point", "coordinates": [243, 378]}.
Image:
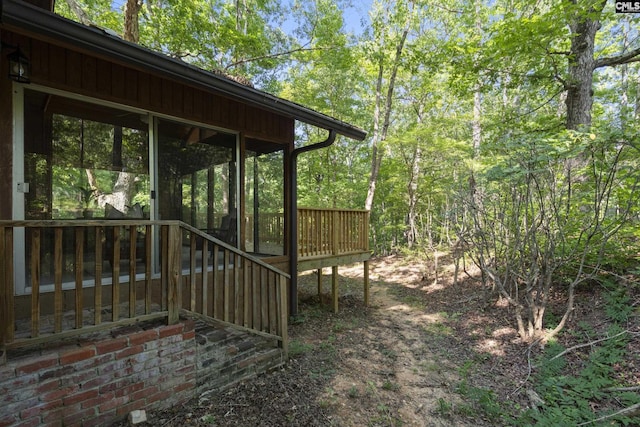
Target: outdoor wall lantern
{"type": "Point", "coordinates": [19, 67]}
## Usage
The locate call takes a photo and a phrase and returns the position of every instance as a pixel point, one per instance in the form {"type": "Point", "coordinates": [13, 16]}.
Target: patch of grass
{"type": "Point", "coordinates": [438, 328]}
{"type": "Point", "coordinates": [385, 418]}
{"type": "Point", "coordinates": [443, 407]}
{"type": "Point", "coordinates": [328, 347]}
{"type": "Point", "coordinates": [390, 386]}
{"type": "Point", "coordinates": [370, 389]}
{"type": "Point", "coordinates": [297, 347]}
{"type": "Point", "coordinates": [430, 366]}
{"type": "Point", "coordinates": [479, 400]}
{"type": "Point", "coordinates": [406, 297]}
{"type": "Point", "coordinates": [353, 392]}
{"type": "Point", "coordinates": [391, 354]}
{"type": "Point", "coordinates": [208, 419]}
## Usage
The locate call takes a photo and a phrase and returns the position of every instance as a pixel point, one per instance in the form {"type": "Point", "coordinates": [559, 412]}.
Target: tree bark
{"type": "Point", "coordinates": [412, 236]}
{"type": "Point", "coordinates": [80, 14]}
{"type": "Point", "coordinates": [131, 22]}
{"type": "Point", "coordinates": [580, 70]}
{"type": "Point", "coordinates": [380, 132]}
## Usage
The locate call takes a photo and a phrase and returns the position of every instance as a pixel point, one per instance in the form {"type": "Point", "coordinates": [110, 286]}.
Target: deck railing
{"type": "Point", "coordinates": [83, 276]}
{"type": "Point", "coordinates": [331, 232]}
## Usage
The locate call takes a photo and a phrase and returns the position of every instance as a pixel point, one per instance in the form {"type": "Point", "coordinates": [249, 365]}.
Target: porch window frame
{"type": "Point", "coordinates": [18, 177]}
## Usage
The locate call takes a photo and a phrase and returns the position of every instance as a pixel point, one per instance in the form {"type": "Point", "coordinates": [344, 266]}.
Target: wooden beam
{"type": "Point", "coordinates": [309, 263]}
{"type": "Point", "coordinates": [97, 289]}
{"type": "Point", "coordinates": [35, 282]}
{"type": "Point", "coordinates": [174, 300]}
{"type": "Point", "coordinates": [366, 283]}
{"type": "Point", "coordinates": [282, 298]}
{"type": "Point", "coordinates": [334, 288]}
{"type": "Point", "coordinates": [58, 306]}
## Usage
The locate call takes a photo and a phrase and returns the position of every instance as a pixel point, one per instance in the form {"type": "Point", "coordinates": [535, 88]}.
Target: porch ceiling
{"type": "Point", "coordinates": [22, 17]}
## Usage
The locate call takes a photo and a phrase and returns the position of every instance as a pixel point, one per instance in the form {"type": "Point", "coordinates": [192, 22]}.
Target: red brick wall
{"type": "Point", "coordinates": [90, 383]}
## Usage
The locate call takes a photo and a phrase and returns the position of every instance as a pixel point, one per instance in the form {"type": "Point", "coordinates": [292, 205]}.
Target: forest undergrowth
{"type": "Point", "coordinates": [427, 352]}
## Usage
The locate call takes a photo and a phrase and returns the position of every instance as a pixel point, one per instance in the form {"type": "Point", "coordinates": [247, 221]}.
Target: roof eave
{"type": "Point", "coordinates": [21, 16]}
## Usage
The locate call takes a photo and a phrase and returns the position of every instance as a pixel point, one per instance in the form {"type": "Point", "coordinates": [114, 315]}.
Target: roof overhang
{"type": "Point", "coordinates": [22, 17]}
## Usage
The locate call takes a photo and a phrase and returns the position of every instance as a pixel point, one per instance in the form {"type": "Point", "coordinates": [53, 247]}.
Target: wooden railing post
{"type": "Point", "coordinates": [335, 232]}
{"type": "Point", "coordinates": [282, 289]}
{"type": "Point", "coordinates": [5, 298]}
{"type": "Point", "coordinates": [174, 282]}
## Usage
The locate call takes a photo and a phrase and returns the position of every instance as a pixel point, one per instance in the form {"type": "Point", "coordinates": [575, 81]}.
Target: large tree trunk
{"type": "Point", "coordinates": [79, 12]}
{"type": "Point", "coordinates": [380, 132]}
{"type": "Point", "coordinates": [581, 65]}
{"type": "Point", "coordinates": [413, 234]}
{"type": "Point", "coordinates": [131, 22]}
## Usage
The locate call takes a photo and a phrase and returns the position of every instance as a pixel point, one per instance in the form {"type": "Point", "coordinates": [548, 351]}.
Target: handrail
{"type": "Point", "coordinates": [332, 232]}
{"type": "Point", "coordinates": [233, 249]}
{"type": "Point", "coordinates": [217, 280]}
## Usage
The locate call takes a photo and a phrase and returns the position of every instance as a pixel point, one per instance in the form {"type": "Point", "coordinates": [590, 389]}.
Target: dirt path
{"type": "Point", "coordinates": [395, 363]}
{"type": "Point", "coordinates": [388, 374]}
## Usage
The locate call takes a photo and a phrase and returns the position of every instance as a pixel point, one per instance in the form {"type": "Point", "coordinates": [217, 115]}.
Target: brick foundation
{"type": "Point", "coordinates": [98, 380]}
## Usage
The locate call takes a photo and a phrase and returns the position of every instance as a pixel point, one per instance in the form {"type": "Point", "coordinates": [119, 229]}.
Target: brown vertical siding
{"type": "Point", "coordinates": [6, 136]}
{"type": "Point", "coordinates": [79, 72]}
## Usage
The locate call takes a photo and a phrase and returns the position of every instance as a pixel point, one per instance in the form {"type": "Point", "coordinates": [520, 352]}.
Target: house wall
{"type": "Point", "coordinates": [65, 68]}
{"type": "Point", "coordinates": [6, 132]}
{"type": "Point", "coordinates": [97, 381]}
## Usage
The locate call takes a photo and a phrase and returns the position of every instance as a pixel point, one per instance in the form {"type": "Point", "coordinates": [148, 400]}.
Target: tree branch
{"type": "Point", "coordinates": [625, 58]}
{"type": "Point", "coordinates": [629, 411]}
{"type": "Point", "coordinates": [275, 55]}
{"type": "Point", "coordinates": [575, 347]}
{"type": "Point", "coordinates": [621, 389]}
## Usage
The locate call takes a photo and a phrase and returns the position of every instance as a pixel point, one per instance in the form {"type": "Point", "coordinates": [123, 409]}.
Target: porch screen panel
{"type": "Point", "coordinates": [81, 160]}
{"type": "Point", "coordinates": [264, 198]}
{"type": "Point", "coordinates": [197, 175]}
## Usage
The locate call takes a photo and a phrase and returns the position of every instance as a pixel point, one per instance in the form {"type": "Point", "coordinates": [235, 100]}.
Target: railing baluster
{"type": "Point", "coordinates": [133, 240]}
{"type": "Point", "coordinates": [174, 262]}
{"type": "Point", "coordinates": [57, 279]}
{"type": "Point", "coordinates": [264, 299]}
{"type": "Point", "coordinates": [238, 291]}
{"type": "Point", "coordinates": [97, 290]}
{"type": "Point", "coordinates": [35, 282]}
{"type": "Point", "coordinates": [5, 300]}
{"type": "Point", "coordinates": [9, 285]}
{"type": "Point", "coordinates": [284, 315]}
{"type": "Point", "coordinates": [147, 269]}
{"type": "Point", "coordinates": [192, 269]}
{"type": "Point", "coordinates": [273, 302]}
{"type": "Point", "coordinates": [205, 277]}
{"type": "Point", "coordinates": [164, 269]}
{"type": "Point", "coordinates": [256, 321]}
{"type": "Point", "coordinates": [115, 276]}
{"type": "Point", "coordinates": [226, 285]}
{"type": "Point", "coordinates": [246, 267]}
{"type": "Point", "coordinates": [79, 266]}
{"type": "Point", "coordinates": [218, 288]}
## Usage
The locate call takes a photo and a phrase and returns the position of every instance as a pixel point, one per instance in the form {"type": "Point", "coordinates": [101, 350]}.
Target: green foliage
{"type": "Point", "coordinates": [297, 348]}
{"type": "Point", "coordinates": [570, 399]}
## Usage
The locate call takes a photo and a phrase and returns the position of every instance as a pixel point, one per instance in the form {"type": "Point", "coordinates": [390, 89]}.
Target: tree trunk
{"type": "Point", "coordinates": [380, 130]}
{"type": "Point", "coordinates": [80, 14]}
{"type": "Point", "coordinates": [581, 65]}
{"type": "Point", "coordinates": [412, 236]}
{"type": "Point", "coordinates": [131, 24]}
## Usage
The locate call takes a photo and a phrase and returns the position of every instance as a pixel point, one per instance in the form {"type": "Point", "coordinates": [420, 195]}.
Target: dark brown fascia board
{"type": "Point", "coordinates": [20, 16]}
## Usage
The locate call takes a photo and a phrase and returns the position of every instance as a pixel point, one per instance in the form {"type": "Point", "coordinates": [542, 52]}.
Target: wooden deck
{"type": "Point", "coordinates": [198, 275]}
{"type": "Point", "coordinates": [92, 275]}
{"type": "Point", "coordinates": [333, 238]}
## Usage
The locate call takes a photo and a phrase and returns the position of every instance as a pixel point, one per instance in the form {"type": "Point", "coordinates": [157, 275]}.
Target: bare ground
{"type": "Point", "coordinates": [402, 361]}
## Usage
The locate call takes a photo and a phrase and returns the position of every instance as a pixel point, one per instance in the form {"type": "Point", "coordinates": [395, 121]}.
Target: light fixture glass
{"type": "Point", "coordinates": [19, 67]}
